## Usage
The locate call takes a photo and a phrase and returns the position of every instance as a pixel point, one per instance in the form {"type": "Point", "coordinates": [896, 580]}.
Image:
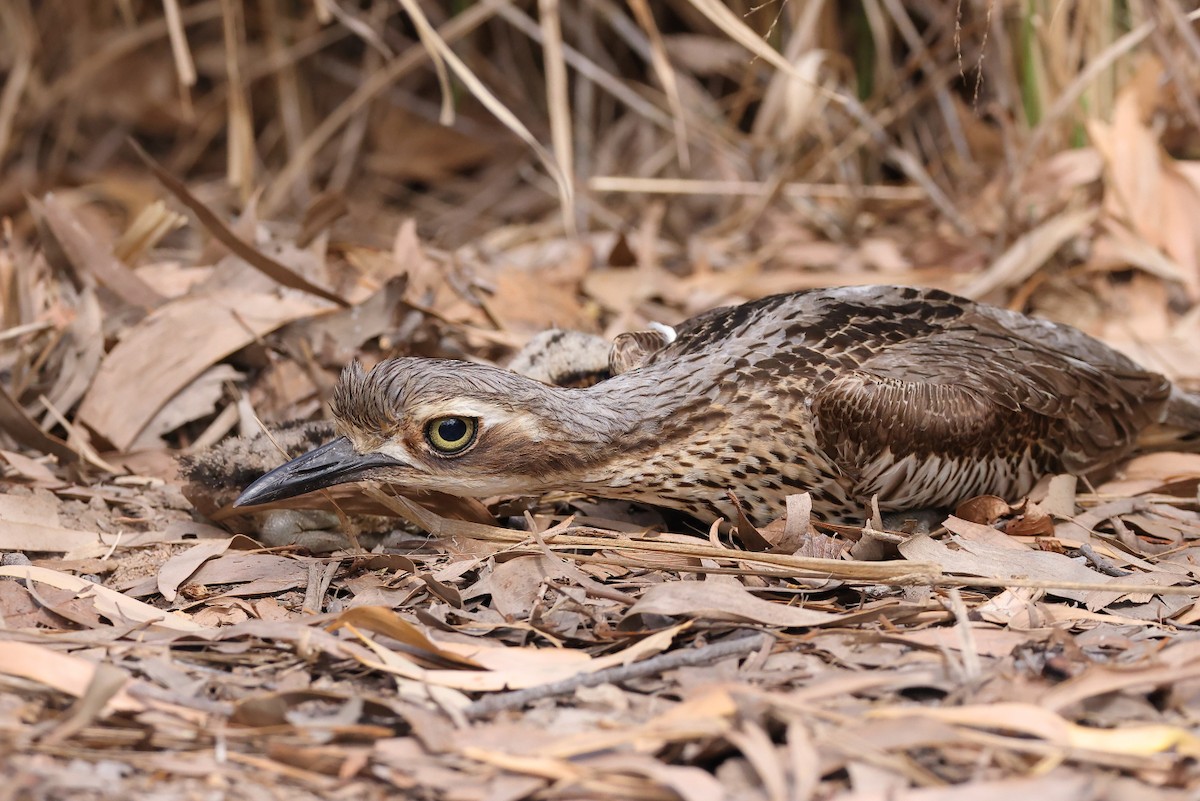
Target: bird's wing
{"type": "Point", "coordinates": [635, 349]}
{"type": "Point", "coordinates": [981, 394]}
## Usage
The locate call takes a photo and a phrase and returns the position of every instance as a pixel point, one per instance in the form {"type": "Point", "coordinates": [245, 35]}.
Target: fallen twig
{"type": "Point", "coordinates": [648, 667]}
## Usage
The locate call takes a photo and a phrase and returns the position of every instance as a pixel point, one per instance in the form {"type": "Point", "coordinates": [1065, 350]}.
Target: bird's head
{"type": "Point", "coordinates": [454, 427]}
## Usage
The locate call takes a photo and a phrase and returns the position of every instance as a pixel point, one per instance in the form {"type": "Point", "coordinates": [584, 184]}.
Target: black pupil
{"type": "Point", "coordinates": [452, 430]}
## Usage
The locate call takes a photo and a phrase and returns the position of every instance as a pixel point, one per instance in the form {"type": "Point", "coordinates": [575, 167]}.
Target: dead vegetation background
{"type": "Point", "coordinates": [210, 207]}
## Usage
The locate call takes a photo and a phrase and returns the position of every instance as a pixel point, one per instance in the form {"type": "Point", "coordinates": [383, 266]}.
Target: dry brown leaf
{"type": "Point", "coordinates": [1029, 253]}
{"type": "Point", "coordinates": [172, 347]}
{"type": "Point", "coordinates": [196, 400]}
{"type": "Point", "coordinates": [990, 554]}
{"type": "Point", "coordinates": [30, 524]}
{"type": "Point", "coordinates": [179, 568]}
{"type": "Point", "coordinates": [78, 354]}
{"type": "Point", "coordinates": [384, 621]}
{"type": "Point", "coordinates": [1060, 497]}
{"type": "Point", "coordinates": [1034, 721]}
{"type": "Point", "coordinates": [16, 423]}
{"type": "Point", "coordinates": [1160, 468]}
{"type": "Point", "coordinates": [251, 573]}
{"type": "Point", "coordinates": [747, 534]}
{"type": "Point", "coordinates": [516, 585]}
{"type": "Point", "coordinates": [431, 152]}
{"type": "Point", "coordinates": [91, 258]}
{"type": "Point", "coordinates": [68, 674]}
{"type": "Point", "coordinates": [39, 538]}
{"type": "Point", "coordinates": [986, 639]}
{"type": "Point", "coordinates": [511, 667]}
{"type": "Point", "coordinates": [30, 469]}
{"type": "Point", "coordinates": [337, 338]}
{"type": "Point", "coordinates": [789, 534]}
{"type": "Point", "coordinates": [119, 608]}
{"type": "Point", "coordinates": [722, 601]}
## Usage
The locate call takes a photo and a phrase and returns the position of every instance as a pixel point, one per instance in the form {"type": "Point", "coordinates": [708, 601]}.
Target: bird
{"type": "Point", "coordinates": [913, 397]}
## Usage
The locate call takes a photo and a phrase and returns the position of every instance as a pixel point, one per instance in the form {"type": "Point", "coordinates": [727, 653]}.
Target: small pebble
{"type": "Point", "coordinates": [14, 558]}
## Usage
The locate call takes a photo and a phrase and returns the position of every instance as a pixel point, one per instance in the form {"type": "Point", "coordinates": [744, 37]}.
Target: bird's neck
{"type": "Point", "coordinates": [611, 429]}
{"type": "Point", "coordinates": [621, 411]}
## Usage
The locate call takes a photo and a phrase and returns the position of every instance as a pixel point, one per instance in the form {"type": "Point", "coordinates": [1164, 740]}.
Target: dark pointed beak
{"type": "Point", "coordinates": [333, 463]}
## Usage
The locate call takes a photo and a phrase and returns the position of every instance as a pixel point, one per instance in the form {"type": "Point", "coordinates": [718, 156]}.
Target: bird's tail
{"type": "Point", "coordinates": [1180, 428]}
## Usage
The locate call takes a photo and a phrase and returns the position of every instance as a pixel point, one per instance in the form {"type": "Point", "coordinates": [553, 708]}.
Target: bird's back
{"type": "Point", "coordinates": [913, 395]}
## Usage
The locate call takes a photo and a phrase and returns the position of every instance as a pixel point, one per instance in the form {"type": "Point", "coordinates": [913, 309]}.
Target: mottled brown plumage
{"type": "Point", "coordinates": [913, 395]}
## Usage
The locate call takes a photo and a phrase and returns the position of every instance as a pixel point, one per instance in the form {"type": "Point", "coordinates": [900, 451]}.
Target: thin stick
{"type": "Point", "coordinates": [898, 573]}
{"type": "Point", "coordinates": [653, 666]}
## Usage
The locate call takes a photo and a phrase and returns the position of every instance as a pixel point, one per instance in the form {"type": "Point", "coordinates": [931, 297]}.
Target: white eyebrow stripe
{"type": "Point", "coordinates": [458, 407]}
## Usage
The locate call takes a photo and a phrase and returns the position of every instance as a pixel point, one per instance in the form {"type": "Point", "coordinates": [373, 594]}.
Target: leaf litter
{"type": "Point", "coordinates": [157, 643]}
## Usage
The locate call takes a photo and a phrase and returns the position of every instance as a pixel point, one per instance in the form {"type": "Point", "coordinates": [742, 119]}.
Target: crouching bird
{"type": "Point", "coordinates": [915, 396]}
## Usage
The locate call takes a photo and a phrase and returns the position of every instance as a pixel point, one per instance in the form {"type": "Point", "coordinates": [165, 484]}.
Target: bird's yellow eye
{"type": "Point", "coordinates": [450, 435]}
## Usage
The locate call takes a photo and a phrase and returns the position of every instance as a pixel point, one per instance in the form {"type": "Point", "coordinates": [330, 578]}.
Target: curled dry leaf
{"type": "Point", "coordinates": [1034, 522]}
{"type": "Point", "coordinates": [983, 509]}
